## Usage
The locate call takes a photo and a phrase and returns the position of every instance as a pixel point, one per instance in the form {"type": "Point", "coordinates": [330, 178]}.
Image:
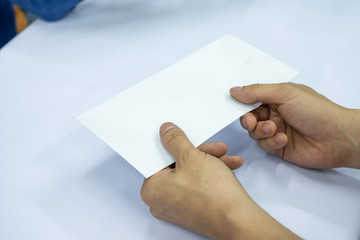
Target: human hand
{"type": "Point", "coordinates": [301, 126]}
{"type": "Point", "coordinates": [203, 195]}
{"type": "Point", "coordinates": [219, 149]}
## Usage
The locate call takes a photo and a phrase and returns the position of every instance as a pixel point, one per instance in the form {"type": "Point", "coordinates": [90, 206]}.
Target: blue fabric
{"type": "Point", "coordinates": [7, 22]}
{"type": "Point", "coordinates": [49, 10]}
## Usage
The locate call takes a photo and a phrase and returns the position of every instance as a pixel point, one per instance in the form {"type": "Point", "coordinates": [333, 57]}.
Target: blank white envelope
{"type": "Point", "coordinates": [193, 93]}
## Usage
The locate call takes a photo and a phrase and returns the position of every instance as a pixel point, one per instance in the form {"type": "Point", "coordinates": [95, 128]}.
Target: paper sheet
{"type": "Point", "coordinates": [193, 93]}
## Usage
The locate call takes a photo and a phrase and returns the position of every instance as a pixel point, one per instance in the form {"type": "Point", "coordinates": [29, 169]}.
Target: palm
{"type": "Point", "coordinates": [309, 144]}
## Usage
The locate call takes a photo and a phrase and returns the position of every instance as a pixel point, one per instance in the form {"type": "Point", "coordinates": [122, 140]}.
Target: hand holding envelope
{"type": "Point", "coordinates": [203, 195]}
{"type": "Point", "coordinates": [193, 93]}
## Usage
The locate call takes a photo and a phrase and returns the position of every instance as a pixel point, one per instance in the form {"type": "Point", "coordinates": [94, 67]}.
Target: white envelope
{"type": "Point", "coordinates": [193, 93]}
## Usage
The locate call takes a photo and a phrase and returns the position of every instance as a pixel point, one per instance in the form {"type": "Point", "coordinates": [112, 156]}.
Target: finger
{"type": "Point", "coordinates": [233, 162]}
{"type": "Point", "coordinates": [249, 120]}
{"type": "Point", "coordinates": [264, 129]}
{"type": "Point", "coordinates": [273, 144]}
{"type": "Point", "coordinates": [261, 113]}
{"type": "Point", "coordinates": [265, 93]}
{"type": "Point", "coordinates": [175, 140]}
{"type": "Point", "coordinates": [217, 149]}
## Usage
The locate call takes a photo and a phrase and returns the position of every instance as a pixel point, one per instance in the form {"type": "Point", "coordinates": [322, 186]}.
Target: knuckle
{"type": "Point", "coordinates": [271, 143]}
{"type": "Point", "coordinates": [172, 135]}
{"type": "Point", "coordinates": [148, 194]}
{"type": "Point", "coordinates": [246, 93]}
{"type": "Point", "coordinates": [255, 86]}
{"type": "Point", "coordinates": [289, 87]}
{"type": "Point", "coordinates": [288, 91]}
{"type": "Point", "coordinates": [252, 135]}
{"type": "Point", "coordinates": [144, 194]}
{"type": "Point", "coordinates": [264, 146]}
{"type": "Point", "coordinates": [285, 87]}
{"type": "Point", "coordinates": [156, 214]}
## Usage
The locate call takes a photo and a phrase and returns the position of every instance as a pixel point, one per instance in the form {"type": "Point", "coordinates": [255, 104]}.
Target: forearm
{"type": "Point", "coordinates": [349, 139]}
{"type": "Point", "coordinates": [49, 10]}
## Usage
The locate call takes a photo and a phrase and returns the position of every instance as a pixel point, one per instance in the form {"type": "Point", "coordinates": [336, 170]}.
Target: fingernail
{"type": "Point", "coordinates": [279, 139]}
{"type": "Point", "coordinates": [166, 127]}
{"type": "Point", "coordinates": [235, 89]}
{"type": "Point", "coordinates": [266, 128]}
{"type": "Point", "coordinates": [243, 122]}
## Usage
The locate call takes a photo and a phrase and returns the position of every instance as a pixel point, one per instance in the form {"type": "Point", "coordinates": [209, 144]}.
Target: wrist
{"type": "Point", "coordinates": [252, 222]}
{"type": "Point", "coordinates": [349, 139]}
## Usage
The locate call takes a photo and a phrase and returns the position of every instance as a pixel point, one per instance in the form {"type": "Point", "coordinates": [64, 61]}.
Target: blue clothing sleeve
{"type": "Point", "coordinates": [7, 22]}
{"type": "Point", "coordinates": [49, 10]}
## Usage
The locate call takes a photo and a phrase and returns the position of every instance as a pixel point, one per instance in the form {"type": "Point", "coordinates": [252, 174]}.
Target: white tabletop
{"type": "Point", "coordinates": [59, 181]}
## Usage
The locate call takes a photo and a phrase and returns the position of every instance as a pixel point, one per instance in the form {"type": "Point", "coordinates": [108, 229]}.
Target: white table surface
{"type": "Point", "coordinates": [59, 181]}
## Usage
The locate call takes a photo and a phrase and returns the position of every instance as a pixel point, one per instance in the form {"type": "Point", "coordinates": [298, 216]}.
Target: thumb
{"type": "Point", "coordinates": [265, 93]}
{"type": "Point", "coordinates": [175, 140]}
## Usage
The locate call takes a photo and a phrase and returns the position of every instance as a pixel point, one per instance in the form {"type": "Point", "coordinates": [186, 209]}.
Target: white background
{"type": "Point", "coordinates": [59, 181]}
